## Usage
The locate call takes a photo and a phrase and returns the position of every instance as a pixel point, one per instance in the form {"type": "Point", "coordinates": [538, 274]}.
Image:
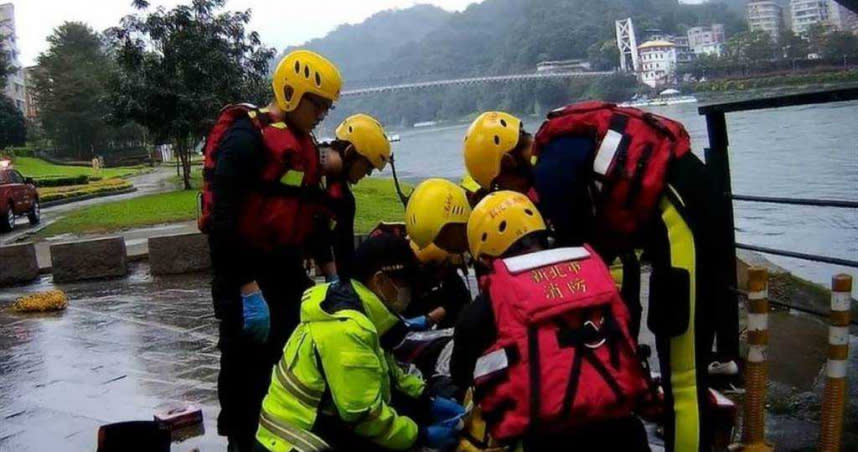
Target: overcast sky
{"type": "Point", "coordinates": [279, 22]}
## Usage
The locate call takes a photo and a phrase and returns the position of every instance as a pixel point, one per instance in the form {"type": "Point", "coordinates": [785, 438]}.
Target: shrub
{"type": "Point", "coordinates": [105, 186]}
{"type": "Point", "coordinates": [61, 181]}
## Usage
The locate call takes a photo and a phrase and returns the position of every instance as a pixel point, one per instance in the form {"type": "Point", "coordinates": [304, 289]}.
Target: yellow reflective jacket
{"type": "Point", "coordinates": [336, 351]}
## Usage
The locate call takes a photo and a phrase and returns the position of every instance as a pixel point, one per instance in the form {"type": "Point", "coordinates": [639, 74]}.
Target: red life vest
{"type": "Point", "coordinates": [564, 356]}
{"type": "Point", "coordinates": [282, 208]}
{"type": "Point", "coordinates": [634, 152]}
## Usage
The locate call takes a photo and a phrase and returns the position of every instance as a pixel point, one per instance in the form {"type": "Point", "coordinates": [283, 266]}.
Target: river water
{"type": "Point", "coordinates": [803, 152]}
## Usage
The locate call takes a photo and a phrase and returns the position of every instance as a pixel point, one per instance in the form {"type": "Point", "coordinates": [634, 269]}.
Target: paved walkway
{"type": "Point", "coordinates": [123, 348]}
{"type": "Point", "coordinates": [157, 181]}
{"type": "Point", "coordinates": [126, 346]}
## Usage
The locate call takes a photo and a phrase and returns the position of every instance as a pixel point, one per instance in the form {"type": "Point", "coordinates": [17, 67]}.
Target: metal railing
{"type": "Point", "coordinates": [718, 163]}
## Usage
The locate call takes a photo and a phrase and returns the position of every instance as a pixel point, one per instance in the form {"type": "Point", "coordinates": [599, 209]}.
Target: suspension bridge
{"type": "Point", "coordinates": [474, 81]}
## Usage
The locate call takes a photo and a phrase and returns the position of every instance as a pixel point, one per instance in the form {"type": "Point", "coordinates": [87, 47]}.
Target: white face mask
{"type": "Point", "coordinates": [402, 300]}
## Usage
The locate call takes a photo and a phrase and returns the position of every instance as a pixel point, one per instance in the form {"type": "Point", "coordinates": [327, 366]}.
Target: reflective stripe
{"type": "Point", "coordinates": [835, 368]}
{"type": "Point", "coordinates": [491, 363]}
{"type": "Point", "coordinates": [840, 301]}
{"type": "Point", "coordinates": [607, 151]}
{"type": "Point", "coordinates": [758, 322]}
{"type": "Point", "coordinates": [293, 178]}
{"type": "Point", "coordinates": [278, 125]}
{"type": "Point", "coordinates": [291, 384]}
{"type": "Point", "coordinates": [758, 295]}
{"type": "Point", "coordinates": [301, 439]}
{"type": "Point", "coordinates": [757, 353]}
{"type": "Point", "coordinates": [838, 335]}
{"type": "Point", "coordinates": [530, 261]}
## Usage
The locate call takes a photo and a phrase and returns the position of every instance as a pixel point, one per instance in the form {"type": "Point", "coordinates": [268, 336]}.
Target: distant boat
{"type": "Point", "coordinates": [425, 124]}
{"type": "Point", "coordinates": [393, 138]}
{"type": "Point", "coordinates": [666, 97]}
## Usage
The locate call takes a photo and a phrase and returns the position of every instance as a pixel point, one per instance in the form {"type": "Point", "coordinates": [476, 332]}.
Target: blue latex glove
{"type": "Point", "coordinates": [419, 323]}
{"type": "Point", "coordinates": [440, 437]}
{"type": "Point", "coordinates": [444, 410]}
{"type": "Point", "coordinates": [257, 319]}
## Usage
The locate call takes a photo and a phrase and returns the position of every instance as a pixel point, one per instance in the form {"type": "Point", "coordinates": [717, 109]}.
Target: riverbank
{"type": "Point", "coordinates": [725, 90]}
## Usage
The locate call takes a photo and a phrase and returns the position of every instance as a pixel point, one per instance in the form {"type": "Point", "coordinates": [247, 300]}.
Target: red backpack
{"type": "Point", "coordinates": [228, 116]}
{"type": "Point", "coordinates": [634, 152]}
{"type": "Point", "coordinates": [564, 356]}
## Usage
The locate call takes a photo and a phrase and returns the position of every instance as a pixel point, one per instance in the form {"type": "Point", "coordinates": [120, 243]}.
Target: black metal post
{"type": "Point", "coordinates": [718, 162]}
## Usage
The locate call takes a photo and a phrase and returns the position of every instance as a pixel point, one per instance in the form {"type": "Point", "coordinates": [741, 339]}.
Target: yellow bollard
{"type": "Point", "coordinates": [756, 365]}
{"type": "Point", "coordinates": [834, 397]}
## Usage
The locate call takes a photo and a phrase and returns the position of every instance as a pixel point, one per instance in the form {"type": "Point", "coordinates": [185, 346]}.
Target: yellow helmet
{"type": "Point", "coordinates": [434, 204]}
{"type": "Point", "coordinates": [301, 72]}
{"type": "Point", "coordinates": [367, 135]}
{"type": "Point", "coordinates": [499, 220]}
{"type": "Point", "coordinates": [430, 254]}
{"type": "Point", "coordinates": [491, 135]}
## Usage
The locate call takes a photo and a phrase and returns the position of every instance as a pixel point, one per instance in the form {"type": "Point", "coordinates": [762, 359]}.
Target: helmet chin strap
{"type": "Point", "coordinates": [402, 197]}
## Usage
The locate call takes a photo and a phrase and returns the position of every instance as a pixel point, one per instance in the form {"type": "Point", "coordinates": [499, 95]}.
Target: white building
{"type": "Point", "coordinates": [707, 40]}
{"type": "Point", "coordinates": [806, 13]}
{"type": "Point", "coordinates": [15, 88]}
{"type": "Point", "coordinates": [766, 15]}
{"type": "Point", "coordinates": [842, 18]}
{"type": "Point", "coordinates": [658, 60]}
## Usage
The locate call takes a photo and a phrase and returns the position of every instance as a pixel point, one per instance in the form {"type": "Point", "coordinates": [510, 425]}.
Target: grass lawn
{"type": "Point", "coordinates": [376, 201]}
{"type": "Point", "coordinates": [33, 167]}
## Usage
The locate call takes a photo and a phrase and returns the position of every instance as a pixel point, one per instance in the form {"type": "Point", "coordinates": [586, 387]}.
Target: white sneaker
{"type": "Point", "coordinates": [727, 369]}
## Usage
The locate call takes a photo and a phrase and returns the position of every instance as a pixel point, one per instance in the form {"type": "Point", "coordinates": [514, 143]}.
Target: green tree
{"type": "Point", "coordinates": [179, 67]}
{"type": "Point", "coordinates": [792, 45]}
{"type": "Point", "coordinates": [838, 44]}
{"type": "Point", "coordinates": [13, 129]}
{"type": "Point", "coordinates": [69, 87]}
{"type": "Point", "coordinates": [816, 38]}
{"type": "Point", "coordinates": [750, 48]}
{"type": "Point", "coordinates": [616, 88]}
{"type": "Point", "coordinates": [603, 56]}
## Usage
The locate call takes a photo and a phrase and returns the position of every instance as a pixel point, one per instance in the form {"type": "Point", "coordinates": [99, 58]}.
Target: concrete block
{"type": "Point", "coordinates": [183, 253]}
{"type": "Point", "coordinates": [18, 264]}
{"type": "Point", "coordinates": [89, 259]}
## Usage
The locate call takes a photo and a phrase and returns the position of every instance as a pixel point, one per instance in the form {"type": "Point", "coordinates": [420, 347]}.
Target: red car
{"type": "Point", "coordinates": [18, 197]}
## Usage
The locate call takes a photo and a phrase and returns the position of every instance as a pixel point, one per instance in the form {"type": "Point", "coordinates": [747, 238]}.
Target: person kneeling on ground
{"type": "Point", "coordinates": [546, 345]}
{"type": "Point", "coordinates": [337, 382]}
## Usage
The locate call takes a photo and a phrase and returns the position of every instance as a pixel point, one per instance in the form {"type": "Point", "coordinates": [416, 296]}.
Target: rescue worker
{"type": "Point", "coordinates": [440, 291]}
{"type": "Point", "coordinates": [621, 178]}
{"type": "Point", "coordinates": [337, 386]}
{"type": "Point", "coordinates": [437, 213]}
{"type": "Point", "coordinates": [547, 343]}
{"type": "Point", "coordinates": [261, 170]}
{"type": "Point", "coordinates": [361, 146]}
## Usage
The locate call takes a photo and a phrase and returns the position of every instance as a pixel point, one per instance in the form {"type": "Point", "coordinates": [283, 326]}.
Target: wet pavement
{"type": "Point", "coordinates": [122, 349]}
{"type": "Point", "coordinates": [125, 347]}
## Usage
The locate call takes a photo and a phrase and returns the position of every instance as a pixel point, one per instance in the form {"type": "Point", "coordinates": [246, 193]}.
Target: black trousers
{"type": "Point", "coordinates": [689, 300]}
{"type": "Point", "coordinates": [245, 365]}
